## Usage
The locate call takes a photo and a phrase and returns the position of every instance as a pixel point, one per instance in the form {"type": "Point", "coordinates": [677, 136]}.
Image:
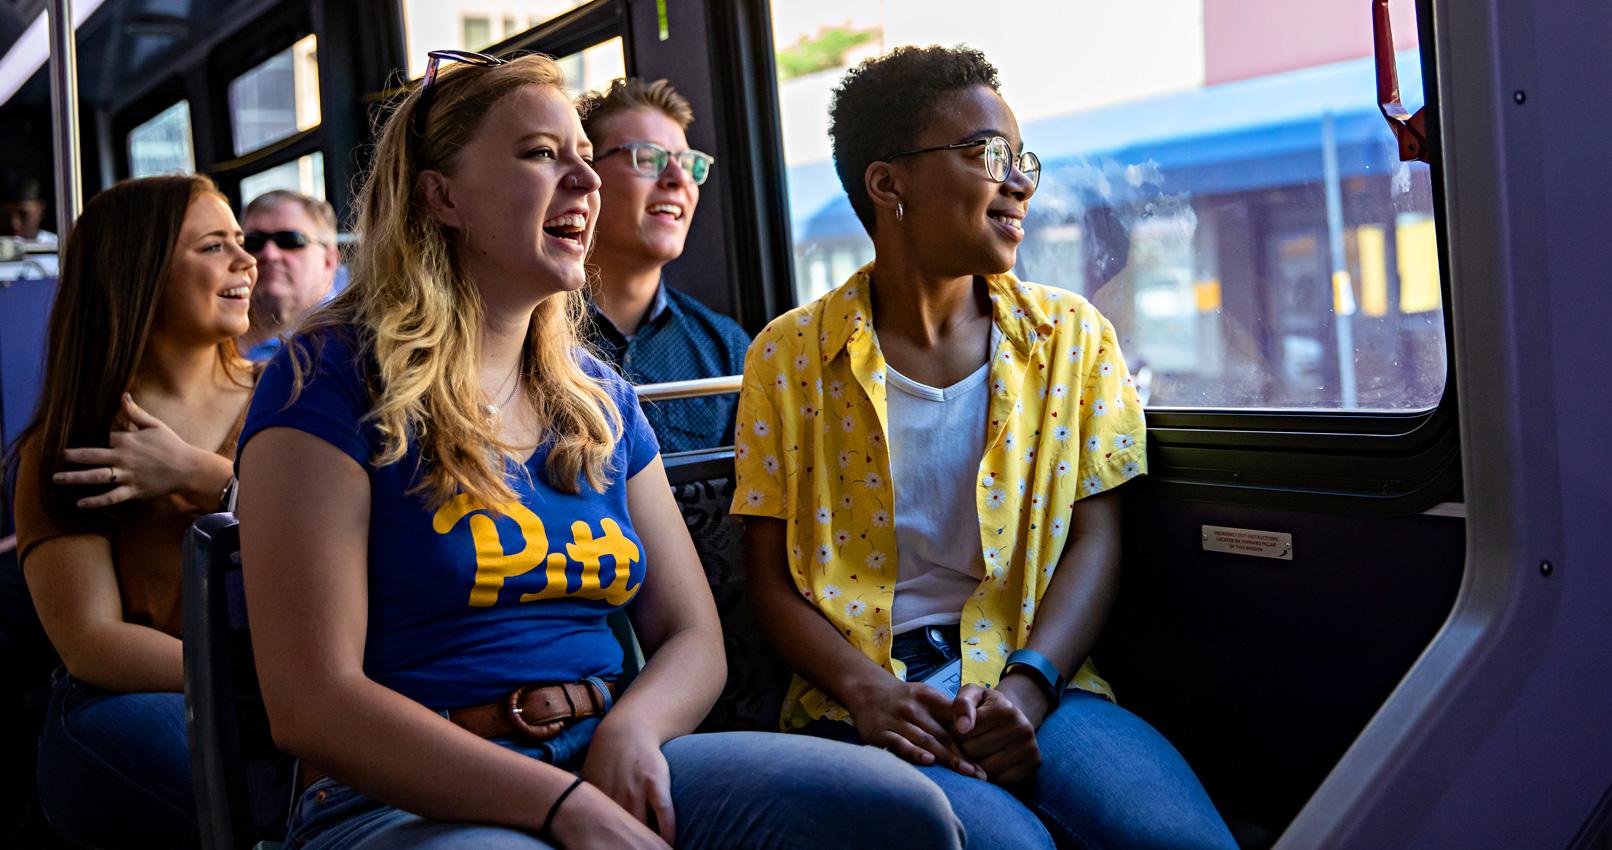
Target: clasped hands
{"type": "Point", "coordinates": [986, 733]}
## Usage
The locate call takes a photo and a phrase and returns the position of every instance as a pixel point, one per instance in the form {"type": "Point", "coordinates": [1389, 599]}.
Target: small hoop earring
{"type": "Point", "coordinates": [901, 211]}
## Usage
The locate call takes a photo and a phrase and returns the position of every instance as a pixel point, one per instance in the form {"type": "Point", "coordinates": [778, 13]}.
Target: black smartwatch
{"type": "Point", "coordinates": [1041, 670]}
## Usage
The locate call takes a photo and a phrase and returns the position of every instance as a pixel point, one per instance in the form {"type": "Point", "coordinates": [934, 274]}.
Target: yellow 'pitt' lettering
{"type": "Point", "coordinates": [494, 566]}
{"type": "Point", "coordinates": [588, 551]}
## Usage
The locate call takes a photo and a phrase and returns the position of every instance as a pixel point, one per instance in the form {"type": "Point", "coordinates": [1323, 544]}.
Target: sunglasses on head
{"type": "Point", "coordinates": [285, 240]}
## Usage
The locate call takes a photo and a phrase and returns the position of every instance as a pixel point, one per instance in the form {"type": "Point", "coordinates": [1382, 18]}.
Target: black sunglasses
{"type": "Point", "coordinates": [429, 81]}
{"type": "Point", "coordinates": [285, 240]}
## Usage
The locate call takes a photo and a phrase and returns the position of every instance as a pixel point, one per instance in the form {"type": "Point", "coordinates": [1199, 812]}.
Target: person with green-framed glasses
{"type": "Point", "coordinates": [653, 332]}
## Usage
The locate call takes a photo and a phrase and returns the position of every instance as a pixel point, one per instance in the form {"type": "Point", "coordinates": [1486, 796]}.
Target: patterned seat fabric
{"type": "Point", "coordinates": [757, 678]}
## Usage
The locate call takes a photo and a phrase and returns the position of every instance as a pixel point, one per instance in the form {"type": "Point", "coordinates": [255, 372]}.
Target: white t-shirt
{"type": "Point", "coordinates": [937, 437]}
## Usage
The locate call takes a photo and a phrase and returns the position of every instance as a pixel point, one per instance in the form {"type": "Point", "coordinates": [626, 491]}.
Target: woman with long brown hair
{"type": "Point", "coordinates": [443, 499]}
{"type": "Point", "coordinates": [144, 395]}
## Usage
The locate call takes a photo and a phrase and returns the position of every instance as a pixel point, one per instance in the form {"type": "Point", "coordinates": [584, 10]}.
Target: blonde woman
{"type": "Point", "coordinates": [443, 498]}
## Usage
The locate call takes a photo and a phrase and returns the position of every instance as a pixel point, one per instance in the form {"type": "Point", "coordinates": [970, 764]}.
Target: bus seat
{"type": "Point", "coordinates": [703, 484]}
{"type": "Point", "coordinates": [243, 782]}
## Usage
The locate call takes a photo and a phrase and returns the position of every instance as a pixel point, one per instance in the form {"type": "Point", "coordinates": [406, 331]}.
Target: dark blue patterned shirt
{"type": "Point", "coordinates": [680, 339]}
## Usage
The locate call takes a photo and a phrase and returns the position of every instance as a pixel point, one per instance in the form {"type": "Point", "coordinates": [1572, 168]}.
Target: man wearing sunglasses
{"type": "Point", "coordinates": [654, 333]}
{"type": "Point", "coordinates": [293, 237]}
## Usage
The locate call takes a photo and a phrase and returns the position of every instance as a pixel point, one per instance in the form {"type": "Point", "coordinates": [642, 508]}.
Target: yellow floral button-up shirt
{"type": "Point", "coordinates": [810, 448]}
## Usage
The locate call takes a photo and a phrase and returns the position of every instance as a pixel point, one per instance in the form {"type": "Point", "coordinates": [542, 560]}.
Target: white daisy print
{"type": "Point", "coordinates": [842, 537]}
{"type": "Point", "coordinates": [1092, 484]}
{"type": "Point", "coordinates": [1124, 441]}
{"type": "Point", "coordinates": [992, 554]}
{"type": "Point", "coordinates": [802, 362]}
{"type": "Point", "coordinates": [1061, 433]}
{"type": "Point", "coordinates": [881, 519]}
{"type": "Point", "coordinates": [1018, 313]}
{"type": "Point", "coordinates": [977, 654]}
{"type": "Point", "coordinates": [845, 500]}
{"type": "Point", "coordinates": [1105, 368]}
{"type": "Point", "coordinates": [1062, 468]}
{"type": "Point", "coordinates": [1060, 390]}
{"type": "Point", "coordinates": [1094, 443]}
{"type": "Point", "coordinates": [1029, 455]}
{"type": "Point", "coordinates": [741, 451]}
{"type": "Point", "coordinates": [850, 293]}
{"type": "Point", "coordinates": [845, 459]}
{"type": "Point", "coordinates": [770, 349]}
{"type": "Point", "coordinates": [983, 624]}
{"type": "Point", "coordinates": [1086, 325]}
{"type": "Point", "coordinates": [988, 481]}
{"type": "Point", "coordinates": [855, 608]}
{"type": "Point", "coordinates": [1036, 502]}
{"type": "Point", "coordinates": [831, 591]}
{"type": "Point", "coordinates": [847, 424]}
{"type": "Point", "coordinates": [1131, 469]}
{"type": "Point", "coordinates": [804, 319]}
{"type": "Point", "coordinates": [873, 481]}
{"type": "Point", "coordinates": [836, 389]}
{"type": "Point", "coordinates": [1057, 527]}
{"type": "Point", "coordinates": [1099, 408]}
{"type": "Point", "coordinates": [770, 464]}
{"type": "Point", "coordinates": [996, 498]}
{"type": "Point", "coordinates": [824, 515]}
{"type": "Point", "coordinates": [1010, 440]}
{"type": "Point", "coordinates": [754, 498]}
{"type": "Point", "coordinates": [998, 387]}
{"type": "Point", "coordinates": [1029, 607]}
{"type": "Point", "coordinates": [808, 411]}
{"type": "Point", "coordinates": [881, 635]}
{"type": "Point", "coordinates": [823, 554]}
{"type": "Point", "coordinates": [761, 428]}
{"type": "Point", "coordinates": [876, 560]}
{"type": "Point", "coordinates": [1074, 353]}
{"type": "Point", "coordinates": [877, 376]}
{"type": "Point", "coordinates": [780, 382]}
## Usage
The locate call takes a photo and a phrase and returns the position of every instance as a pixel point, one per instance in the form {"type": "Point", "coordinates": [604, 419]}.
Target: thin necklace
{"type": "Point", "coordinates": [513, 380]}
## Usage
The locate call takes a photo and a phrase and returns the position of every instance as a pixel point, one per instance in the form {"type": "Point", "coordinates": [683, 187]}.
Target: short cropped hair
{"type": "Point", "coordinates": [322, 213]}
{"type": "Point", "coordinates": [885, 103]}
{"type": "Point", "coordinates": [18, 186]}
{"type": "Point", "coordinates": [626, 94]}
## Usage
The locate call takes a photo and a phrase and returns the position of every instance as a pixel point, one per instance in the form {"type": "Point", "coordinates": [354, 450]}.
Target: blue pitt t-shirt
{"type": "Point", "coordinates": [464, 606]}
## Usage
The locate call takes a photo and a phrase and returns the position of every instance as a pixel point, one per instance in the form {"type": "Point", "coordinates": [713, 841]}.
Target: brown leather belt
{"type": "Point", "coordinates": [535, 713]}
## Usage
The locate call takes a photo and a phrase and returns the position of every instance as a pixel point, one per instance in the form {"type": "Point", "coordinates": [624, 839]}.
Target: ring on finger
{"type": "Point", "coordinates": [112, 474]}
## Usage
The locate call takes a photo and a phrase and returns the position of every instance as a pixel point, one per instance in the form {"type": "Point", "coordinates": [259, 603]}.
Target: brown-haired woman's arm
{"type": "Point", "coordinates": [74, 586]}
{"type": "Point", "coordinates": [305, 514]}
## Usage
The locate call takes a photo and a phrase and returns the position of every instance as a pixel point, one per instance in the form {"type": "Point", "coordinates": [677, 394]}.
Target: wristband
{"type": "Point", "coordinates": [555, 809]}
{"type": "Point", "coordinates": [1040, 669]}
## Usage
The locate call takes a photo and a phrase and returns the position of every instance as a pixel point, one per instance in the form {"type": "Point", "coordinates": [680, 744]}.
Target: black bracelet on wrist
{"type": "Point", "coordinates": [555, 809]}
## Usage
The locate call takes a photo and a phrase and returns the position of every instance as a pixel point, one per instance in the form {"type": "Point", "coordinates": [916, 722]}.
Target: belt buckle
{"type": "Point", "coordinates": [517, 721]}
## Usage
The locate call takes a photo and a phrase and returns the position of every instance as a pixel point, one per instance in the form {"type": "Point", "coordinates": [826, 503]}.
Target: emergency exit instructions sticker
{"type": "Point", "coordinates": [1248, 541]}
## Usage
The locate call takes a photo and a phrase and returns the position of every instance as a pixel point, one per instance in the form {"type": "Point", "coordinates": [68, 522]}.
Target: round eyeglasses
{"type": "Point", "coordinates": [999, 159]}
{"type": "Point", "coordinates": [651, 160]}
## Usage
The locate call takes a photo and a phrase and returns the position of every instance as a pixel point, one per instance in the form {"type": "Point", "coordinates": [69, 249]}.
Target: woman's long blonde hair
{"type": "Point", "coordinates": [419, 320]}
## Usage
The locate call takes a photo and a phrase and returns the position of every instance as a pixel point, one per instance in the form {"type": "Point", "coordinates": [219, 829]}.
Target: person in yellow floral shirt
{"type": "Point", "coordinates": [926, 460]}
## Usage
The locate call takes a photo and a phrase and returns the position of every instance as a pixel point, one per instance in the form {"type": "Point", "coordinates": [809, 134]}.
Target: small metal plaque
{"type": "Point", "coordinates": [1248, 541]}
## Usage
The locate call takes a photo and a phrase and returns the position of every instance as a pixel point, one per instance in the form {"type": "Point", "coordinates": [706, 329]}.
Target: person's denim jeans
{"type": "Point", "coordinates": [114, 769]}
{"type": "Point", "coordinates": [730, 790]}
{"type": "Point", "coordinates": [1107, 779]}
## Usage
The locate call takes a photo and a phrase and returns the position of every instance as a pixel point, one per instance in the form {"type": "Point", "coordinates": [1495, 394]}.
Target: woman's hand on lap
{"type": "Point", "coordinates": [909, 719]}
{"type": "Point", "coordinates": [626, 763]}
{"type": "Point", "coordinates": [148, 461]}
{"type": "Point", "coordinates": [996, 728]}
{"type": "Point", "coordinates": [589, 819]}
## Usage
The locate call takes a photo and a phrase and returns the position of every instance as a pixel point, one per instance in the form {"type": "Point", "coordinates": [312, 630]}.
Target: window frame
{"type": "Point", "coordinates": [1368, 463]}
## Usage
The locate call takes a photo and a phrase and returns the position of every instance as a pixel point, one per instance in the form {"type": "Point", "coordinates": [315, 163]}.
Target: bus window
{"type": "Point", "coordinates": [594, 67]}
{"type": "Point", "coordinates": [305, 174]}
{"type": "Point", "coordinates": [161, 145]}
{"type": "Point", "coordinates": [475, 25]}
{"type": "Point", "coordinates": [276, 99]}
{"type": "Point", "coordinates": [1216, 178]}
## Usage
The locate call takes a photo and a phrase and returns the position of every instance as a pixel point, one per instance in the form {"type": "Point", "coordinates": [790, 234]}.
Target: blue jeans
{"type": "Point", "coordinates": [729, 789]}
{"type": "Point", "coordinates": [1107, 778]}
{"type": "Point", "coordinates": [114, 769]}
